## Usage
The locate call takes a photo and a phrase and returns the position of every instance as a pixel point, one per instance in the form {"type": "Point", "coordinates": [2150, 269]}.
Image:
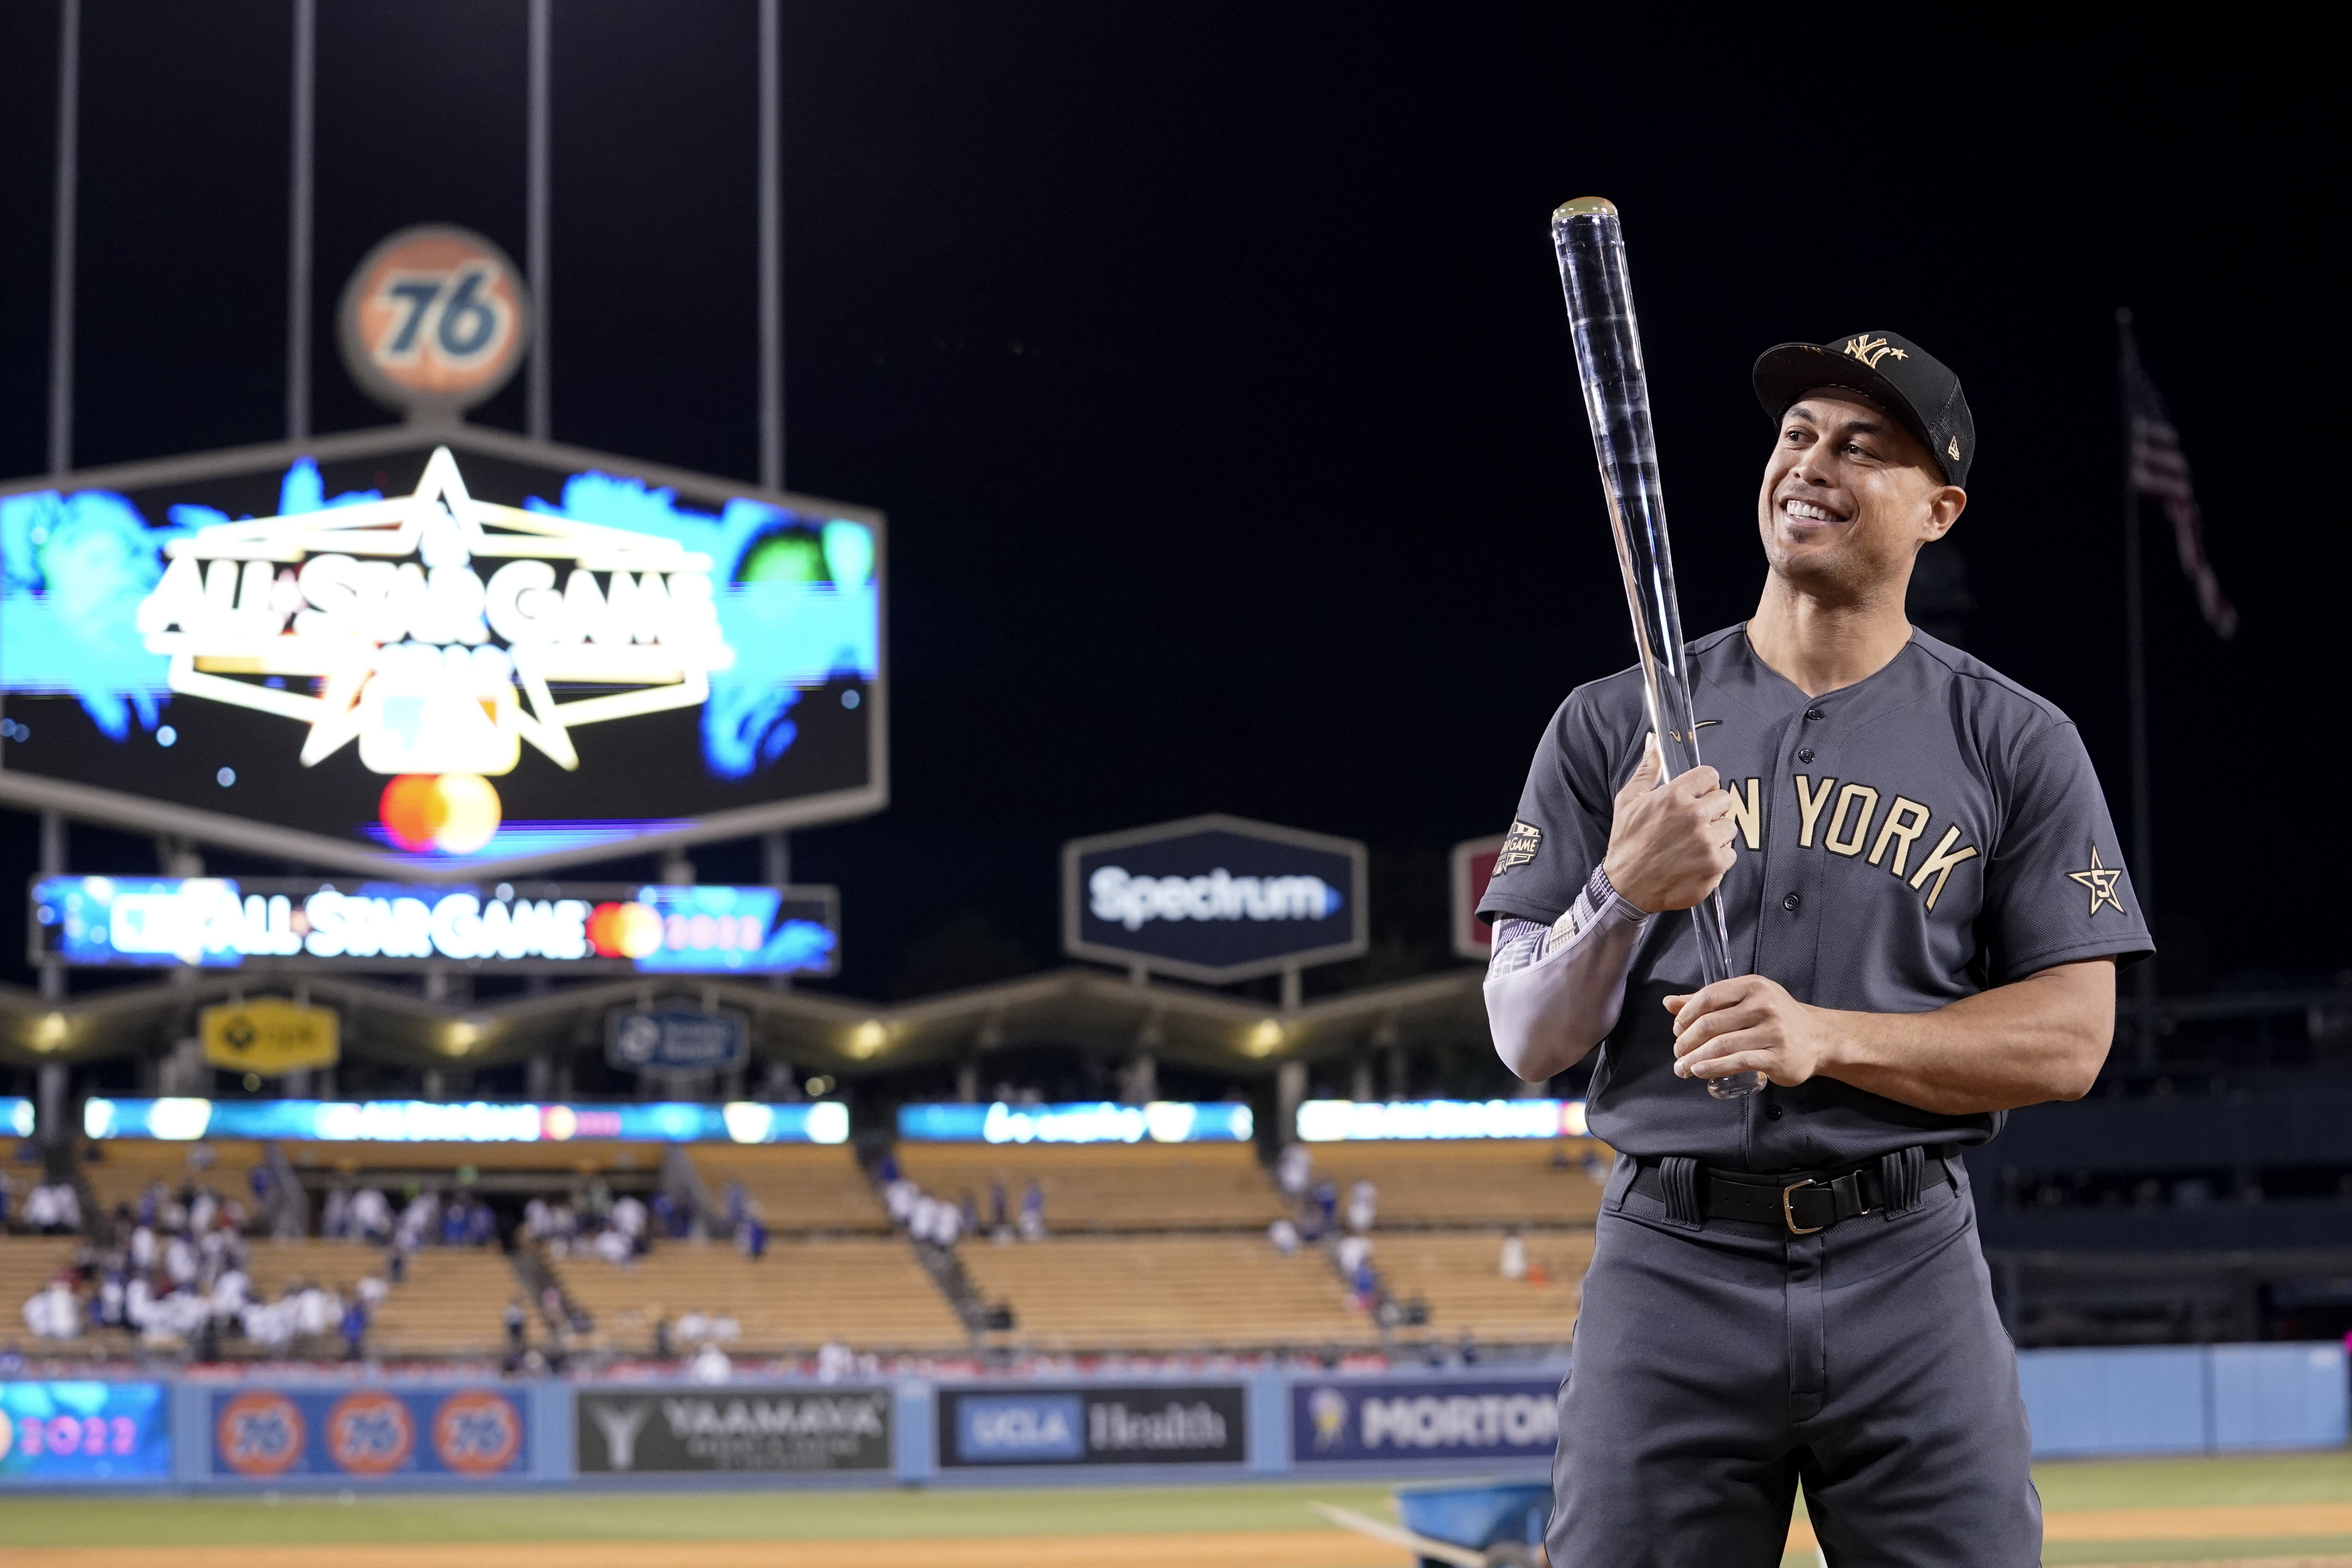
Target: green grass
{"type": "Point", "coordinates": [848, 1515]}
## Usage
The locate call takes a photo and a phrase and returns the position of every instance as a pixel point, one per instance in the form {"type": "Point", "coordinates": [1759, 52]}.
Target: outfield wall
{"type": "Point", "coordinates": [300, 1432]}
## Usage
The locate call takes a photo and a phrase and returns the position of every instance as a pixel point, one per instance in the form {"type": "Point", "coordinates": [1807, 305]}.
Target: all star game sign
{"type": "Point", "coordinates": [437, 647]}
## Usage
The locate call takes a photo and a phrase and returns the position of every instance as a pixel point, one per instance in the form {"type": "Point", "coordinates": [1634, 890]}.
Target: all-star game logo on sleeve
{"type": "Point", "coordinates": [1519, 845]}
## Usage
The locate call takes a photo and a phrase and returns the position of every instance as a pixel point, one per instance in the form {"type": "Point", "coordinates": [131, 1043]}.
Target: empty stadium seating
{"type": "Point", "coordinates": [450, 1304]}
{"type": "Point", "coordinates": [338, 1266]}
{"type": "Point", "coordinates": [799, 1188]}
{"type": "Point", "coordinates": [1171, 1294]}
{"type": "Point", "coordinates": [1471, 1182]}
{"type": "Point", "coordinates": [867, 1292]}
{"type": "Point", "coordinates": [438, 1161]}
{"type": "Point", "coordinates": [1458, 1276]}
{"type": "Point", "coordinates": [128, 1166]}
{"type": "Point", "coordinates": [1107, 1186]}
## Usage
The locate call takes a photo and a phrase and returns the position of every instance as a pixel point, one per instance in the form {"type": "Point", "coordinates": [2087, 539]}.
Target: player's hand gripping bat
{"type": "Point", "coordinates": [1591, 251]}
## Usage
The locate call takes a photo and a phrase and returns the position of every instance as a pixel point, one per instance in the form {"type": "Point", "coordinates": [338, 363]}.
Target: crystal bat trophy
{"type": "Point", "coordinates": [1591, 249]}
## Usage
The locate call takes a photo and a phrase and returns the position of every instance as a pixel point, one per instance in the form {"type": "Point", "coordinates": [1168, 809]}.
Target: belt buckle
{"type": "Point", "coordinates": [1789, 1215]}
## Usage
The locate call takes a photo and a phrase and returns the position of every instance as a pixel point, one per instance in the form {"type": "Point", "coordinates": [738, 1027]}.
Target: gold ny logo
{"type": "Point", "coordinates": [1870, 350]}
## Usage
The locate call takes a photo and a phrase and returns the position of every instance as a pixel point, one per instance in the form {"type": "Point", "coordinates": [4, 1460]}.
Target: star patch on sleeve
{"type": "Point", "coordinates": [1518, 845]}
{"type": "Point", "coordinates": [2101, 879]}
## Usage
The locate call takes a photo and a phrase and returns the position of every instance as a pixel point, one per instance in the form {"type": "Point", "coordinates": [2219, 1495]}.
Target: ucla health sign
{"type": "Point", "coordinates": [1149, 1424]}
{"type": "Point", "coordinates": [291, 922]}
{"type": "Point", "coordinates": [1213, 899]}
{"type": "Point", "coordinates": [395, 654]}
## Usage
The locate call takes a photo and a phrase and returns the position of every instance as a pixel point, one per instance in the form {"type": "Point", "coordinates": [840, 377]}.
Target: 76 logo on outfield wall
{"type": "Point", "coordinates": [478, 1433]}
{"type": "Point", "coordinates": [259, 1434]}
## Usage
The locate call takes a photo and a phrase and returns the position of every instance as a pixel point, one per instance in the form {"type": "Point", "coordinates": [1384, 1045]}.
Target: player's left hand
{"type": "Point", "coordinates": [1750, 1024]}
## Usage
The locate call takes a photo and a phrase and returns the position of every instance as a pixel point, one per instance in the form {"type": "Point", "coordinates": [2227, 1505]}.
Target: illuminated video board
{"type": "Point", "coordinates": [218, 923]}
{"type": "Point", "coordinates": [468, 652]}
{"type": "Point", "coordinates": [184, 1121]}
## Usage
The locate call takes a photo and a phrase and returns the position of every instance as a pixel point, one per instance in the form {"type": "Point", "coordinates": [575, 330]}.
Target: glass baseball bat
{"type": "Point", "coordinates": [1591, 249]}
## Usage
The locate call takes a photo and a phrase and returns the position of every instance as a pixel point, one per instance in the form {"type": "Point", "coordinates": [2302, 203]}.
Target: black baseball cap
{"type": "Point", "coordinates": [1891, 371]}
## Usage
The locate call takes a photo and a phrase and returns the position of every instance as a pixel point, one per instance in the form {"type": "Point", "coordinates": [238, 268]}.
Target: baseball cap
{"type": "Point", "coordinates": [1891, 371]}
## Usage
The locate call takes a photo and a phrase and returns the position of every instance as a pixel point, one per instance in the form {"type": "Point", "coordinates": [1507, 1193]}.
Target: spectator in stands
{"type": "Point", "coordinates": [355, 1322]}
{"type": "Point", "coordinates": [1294, 1170]}
{"type": "Point", "coordinates": [947, 1224]}
{"type": "Point", "coordinates": [835, 1361]}
{"type": "Point", "coordinates": [538, 1220]}
{"type": "Point", "coordinates": [1327, 1203]}
{"type": "Point", "coordinates": [1363, 1203]}
{"type": "Point", "coordinates": [752, 1234]}
{"type": "Point", "coordinates": [1515, 1256]}
{"type": "Point", "coordinates": [7, 1191]}
{"type": "Point", "coordinates": [969, 1210]}
{"type": "Point", "coordinates": [52, 1312]}
{"type": "Point", "coordinates": [1032, 1212]}
{"type": "Point", "coordinates": [629, 1219]}
{"type": "Point", "coordinates": [179, 1261]}
{"type": "Point", "coordinates": [1367, 1286]}
{"type": "Point", "coordinates": [886, 1169]}
{"type": "Point", "coordinates": [710, 1365]}
{"type": "Point", "coordinates": [612, 1244]}
{"type": "Point", "coordinates": [1354, 1252]}
{"type": "Point", "coordinates": [453, 1219]}
{"type": "Point", "coordinates": [372, 1292]}
{"type": "Point", "coordinates": [900, 1196]}
{"type": "Point", "coordinates": [734, 1199]}
{"type": "Point", "coordinates": [203, 1210]}
{"type": "Point", "coordinates": [110, 1299]}
{"type": "Point", "coordinates": [1000, 1218]}
{"type": "Point", "coordinates": [1285, 1236]}
{"type": "Point", "coordinates": [335, 1216]}
{"type": "Point", "coordinates": [395, 1263]}
{"type": "Point", "coordinates": [53, 1208]}
{"type": "Point", "coordinates": [142, 1248]}
{"type": "Point", "coordinates": [481, 1225]}
{"type": "Point", "coordinates": [370, 1216]}
{"type": "Point", "coordinates": [514, 1321]}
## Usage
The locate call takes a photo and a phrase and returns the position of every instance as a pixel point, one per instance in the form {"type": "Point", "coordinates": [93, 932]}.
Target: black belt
{"type": "Point", "coordinates": [1802, 1201]}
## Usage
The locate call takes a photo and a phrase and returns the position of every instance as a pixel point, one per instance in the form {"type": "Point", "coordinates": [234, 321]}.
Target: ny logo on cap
{"type": "Point", "coordinates": [1870, 350]}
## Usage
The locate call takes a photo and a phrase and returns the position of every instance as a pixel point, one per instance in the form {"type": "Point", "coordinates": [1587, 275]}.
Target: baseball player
{"type": "Point", "coordinates": [1923, 888]}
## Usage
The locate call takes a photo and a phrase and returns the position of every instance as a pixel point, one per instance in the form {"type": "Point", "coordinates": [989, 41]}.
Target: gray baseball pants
{"type": "Point", "coordinates": [1719, 1365]}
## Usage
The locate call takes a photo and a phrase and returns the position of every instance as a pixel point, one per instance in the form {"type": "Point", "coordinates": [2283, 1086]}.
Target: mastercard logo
{"type": "Point", "coordinates": [455, 814]}
{"type": "Point", "coordinates": [625, 930]}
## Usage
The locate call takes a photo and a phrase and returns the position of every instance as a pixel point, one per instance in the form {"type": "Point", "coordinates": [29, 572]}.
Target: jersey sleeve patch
{"type": "Point", "coordinates": [1519, 845]}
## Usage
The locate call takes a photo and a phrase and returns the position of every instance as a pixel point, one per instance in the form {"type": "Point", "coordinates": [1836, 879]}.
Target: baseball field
{"type": "Point", "coordinates": [2271, 1511]}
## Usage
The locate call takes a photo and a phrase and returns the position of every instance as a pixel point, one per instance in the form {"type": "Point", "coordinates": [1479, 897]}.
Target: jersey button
{"type": "Point", "coordinates": [1772, 1112]}
{"type": "Point", "coordinates": [1812, 713]}
{"type": "Point", "coordinates": [1791, 901]}
{"type": "Point", "coordinates": [1805, 755]}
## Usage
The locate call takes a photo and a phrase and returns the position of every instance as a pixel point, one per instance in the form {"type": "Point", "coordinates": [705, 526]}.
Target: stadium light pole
{"type": "Point", "coordinates": [537, 393]}
{"type": "Point", "coordinates": [300, 223]}
{"type": "Point", "coordinates": [61, 254]}
{"type": "Point", "coordinates": [772, 250]}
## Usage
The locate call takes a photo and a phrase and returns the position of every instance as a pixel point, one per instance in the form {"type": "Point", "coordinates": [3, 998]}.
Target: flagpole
{"type": "Point", "coordinates": [2143, 852]}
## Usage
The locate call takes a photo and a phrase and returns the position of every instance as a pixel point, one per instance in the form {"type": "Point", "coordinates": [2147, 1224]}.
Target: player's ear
{"type": "Point", "coordinates": [1944, 509]}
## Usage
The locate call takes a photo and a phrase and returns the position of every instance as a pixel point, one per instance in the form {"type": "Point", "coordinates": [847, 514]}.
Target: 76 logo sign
{"type": "Point", "coordinates": [436, 319]}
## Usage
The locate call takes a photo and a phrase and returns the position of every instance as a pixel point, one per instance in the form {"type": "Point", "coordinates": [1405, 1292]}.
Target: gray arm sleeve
{"type": "Point", "coordinates": [1554, 991]}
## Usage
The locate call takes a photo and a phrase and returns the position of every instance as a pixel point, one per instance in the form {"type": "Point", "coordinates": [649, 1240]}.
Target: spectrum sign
{"type": "Point", "coordinates": [425, 1122]}
{"type": "Point", "coordinates": [216, 923]}
{"type": "Point", "coordinates": [401, 655]}
{"type": "Point", "coordinates": [1161, 1121]}
{"type": "Point", "coordinates": [1355, 1120]}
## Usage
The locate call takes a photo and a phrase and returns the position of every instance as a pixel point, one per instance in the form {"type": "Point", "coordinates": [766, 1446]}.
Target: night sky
{"type": "Point", "coordinates": [1209, 363]}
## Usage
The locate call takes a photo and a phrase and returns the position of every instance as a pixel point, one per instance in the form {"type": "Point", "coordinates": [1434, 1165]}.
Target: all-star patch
{"type": "Point", "coordinates": [1518, 847]}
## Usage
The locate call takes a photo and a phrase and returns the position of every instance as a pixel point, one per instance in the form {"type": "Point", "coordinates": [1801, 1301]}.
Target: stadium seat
{"type": "Point", "coordinates": [868, 1293]}
{"type": "Point", "coordinates": [801, 1188]}
{"type": "Point", "coordinates": [128, 1166]}
{"type": "Point", "coordinates": [1106, 1186]}
{"type": "Point", "coordinates": [1473, 1182]}
{"type": "Point", "coordinates": [1173, 1294]}
{"type": "Point", "coordinates": [436, 1162]}
{"type": "Point", "coordinates": [1458, 1276]}
{"type": "Point", "coordinates": [450, 1304]}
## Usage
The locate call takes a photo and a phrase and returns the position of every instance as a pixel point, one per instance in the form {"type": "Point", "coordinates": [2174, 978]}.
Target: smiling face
{"type": "Point", "coordinates": [1848, 497]}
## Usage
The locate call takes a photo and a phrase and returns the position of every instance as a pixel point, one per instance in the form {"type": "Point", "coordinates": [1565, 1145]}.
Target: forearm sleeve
{"type": "Point", "coordinates": [1554, 991]}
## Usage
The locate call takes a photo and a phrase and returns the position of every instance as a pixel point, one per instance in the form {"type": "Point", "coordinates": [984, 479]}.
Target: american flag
{"type": "Point", "coordinates": [2159, 470]}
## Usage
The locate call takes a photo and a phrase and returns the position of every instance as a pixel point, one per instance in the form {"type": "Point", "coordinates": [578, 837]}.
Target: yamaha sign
{"type": "Point", "coordinates": [1213, 899]}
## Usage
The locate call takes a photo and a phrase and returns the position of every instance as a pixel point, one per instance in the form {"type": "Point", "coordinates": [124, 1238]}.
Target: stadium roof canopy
{"type": "Point", "coordinates": [1080, 1007]}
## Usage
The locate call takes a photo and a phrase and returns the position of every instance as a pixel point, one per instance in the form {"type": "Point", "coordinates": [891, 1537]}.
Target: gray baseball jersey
{"type": "Point", "coordinates": [1903, 842]}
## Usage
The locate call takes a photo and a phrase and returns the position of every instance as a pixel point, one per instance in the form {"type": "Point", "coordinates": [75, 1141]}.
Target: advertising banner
{"type": "Point", "coordinates": [296, 924]}
{"type": "Point", "coordinates": [644, 1431]}
{"type": "Point", "coordinates": [1472, 869]}
{"type": "Point", "coordinates": [677, 1039]}
{"type": "Point", "coordinates": [1161, 1121]}
{"type": "Point", "coordinates": [418, 655]}
{"type": "Point", "coordinates": [1343, 1419]}
{"type": "Point", "coordinates": [84, 1431]}
{"type": "Point", "coordinates": [270, 1036]}
{"type": "Point", "coordinates": [1346, 1120]}
{"type": "Point", "coordinates": [265, 1434]}
{"type": "Point", "coordinates": [1146, 1424]}
{"type": "Point", "coordinates": [478, 1121]}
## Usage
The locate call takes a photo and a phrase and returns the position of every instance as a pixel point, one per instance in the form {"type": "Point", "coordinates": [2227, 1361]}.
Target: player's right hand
{"type": "Point", "coordinates": [1668, 847]}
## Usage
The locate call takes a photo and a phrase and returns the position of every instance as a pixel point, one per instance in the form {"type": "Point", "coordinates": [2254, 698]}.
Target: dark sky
{"type": "Point", "coordinates": [1210, 362]}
